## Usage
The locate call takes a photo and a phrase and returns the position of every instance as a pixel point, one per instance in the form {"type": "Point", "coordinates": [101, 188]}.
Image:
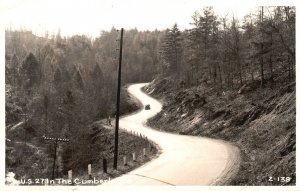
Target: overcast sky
{"type": "Point", "coordinates": [91, 16]}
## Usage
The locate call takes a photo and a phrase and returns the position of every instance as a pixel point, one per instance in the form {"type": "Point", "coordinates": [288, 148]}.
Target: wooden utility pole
{"type": "Point", "coordinates": [118, 103]}
{"type": "Point", "coordinates": [261, 49]}
{"type": "Point", "coordinates": [56, 140]}
{"type": "Point", "coordinates": [25, 126]}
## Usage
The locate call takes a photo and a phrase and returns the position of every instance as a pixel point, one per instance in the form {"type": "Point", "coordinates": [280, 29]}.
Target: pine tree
{"type": "Point", "coordinates": [57, 77]}
{"type": "Point", "coordinates": [202, 37]}
{"type": "Point", "coordinates": [78, 81]}
{"type": "Point", "coordinates": [248, 35]}
{"type": "Point", "coordinates": [206, 25]}
{"type": "Point", "coordinates": [194, 48]}
{"type": "Point", "coordinates": [236, 47]}
{"type": "Point", "coordinates": [171, 50]}
{"type": "Point", "coordinates": [97, 73]}
{"type": "Point", "coordinates": [31, 71]}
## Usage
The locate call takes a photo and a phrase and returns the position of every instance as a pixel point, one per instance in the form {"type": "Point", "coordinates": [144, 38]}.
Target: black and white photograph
{"type": "Point", "coordinates": [148, 93]}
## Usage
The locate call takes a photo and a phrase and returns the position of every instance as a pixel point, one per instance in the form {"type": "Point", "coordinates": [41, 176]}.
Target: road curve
{"type": "Point", "coordinates": [184, 160]}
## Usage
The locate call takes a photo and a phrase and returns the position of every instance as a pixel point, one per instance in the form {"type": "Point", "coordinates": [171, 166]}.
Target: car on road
{"type": "Point", "coordinates": [147, 107]}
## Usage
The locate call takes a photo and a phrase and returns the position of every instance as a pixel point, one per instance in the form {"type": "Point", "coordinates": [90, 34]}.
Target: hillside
{"type": "Point", "coordinates": [223, 77]}
{"type": "Point", "coordinates": [261, 122]}
{"type": "Point", "coordinates": [95, 144]}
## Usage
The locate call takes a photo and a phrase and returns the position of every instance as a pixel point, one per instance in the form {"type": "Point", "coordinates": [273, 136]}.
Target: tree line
{"type": "Point", "coordinates": [64, 84]}
{"type": "Point", "coordinates": [75, 75]}
{"type": "Point", "coordinates": [226, 52]}
{"type": "Point", "coordinates": [78, 74]}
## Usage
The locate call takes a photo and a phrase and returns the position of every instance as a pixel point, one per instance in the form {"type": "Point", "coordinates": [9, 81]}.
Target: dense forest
{"type": "Point", "coordinates": [59, 85]}
{"type": "Point", "coordinates": [234, 80]}
{"type": "Point", "coordinates": [227, 53]}
{"type": "Point", "coordinates": [51, 78]}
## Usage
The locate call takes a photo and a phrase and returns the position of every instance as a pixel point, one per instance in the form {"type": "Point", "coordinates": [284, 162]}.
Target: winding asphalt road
{"type": "Point", "coordinates": [184, 160]}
